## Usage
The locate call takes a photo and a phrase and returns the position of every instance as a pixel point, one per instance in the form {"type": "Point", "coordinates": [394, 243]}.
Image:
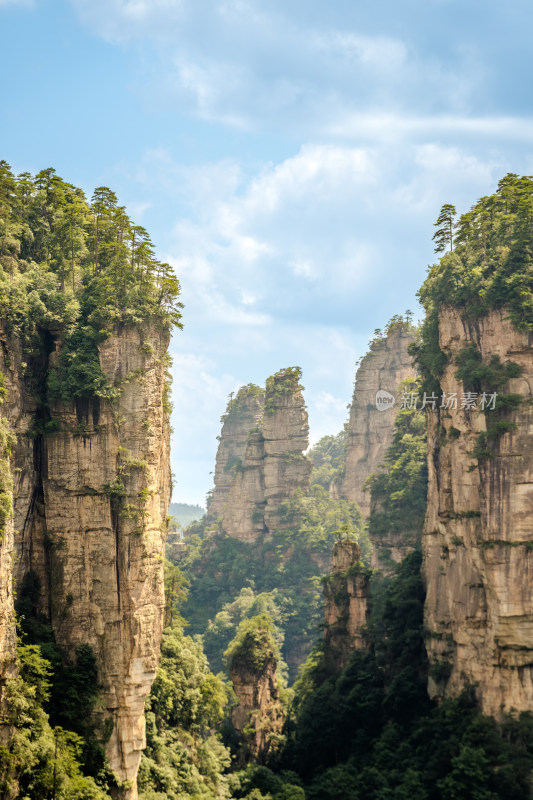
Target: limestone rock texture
{"type": "Point", "coordinates": [7, 614]}
{"type": "Point", "coordinates": [478, 534]}
{"type": "Point", "coordinates": [346, 595]}
{"type": "Point", "coordinates": [369, 430]}
{"type": "Point", "coordinates": [259, 709]}
{"type": "Point", "coordinates": [245, 412]}
{"type": "Point", "coordinates": [91, 492]}
{"type": "Point", "coordinates": [260, 461]}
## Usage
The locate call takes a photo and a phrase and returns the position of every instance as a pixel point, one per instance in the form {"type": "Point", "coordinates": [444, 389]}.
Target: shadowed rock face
{"type": "Point", "coordinates": [346, 593]}
{"type": "Point", "coordinates": [369, 430]}
{"type": "Point", "coordinates": [90, 497]}
{"type": "Point", "coordinates": [260, 461]}
{"type": "Point", "coordinates": [259, 716]}
{"type": "Point", "coordinates": [478, 538]}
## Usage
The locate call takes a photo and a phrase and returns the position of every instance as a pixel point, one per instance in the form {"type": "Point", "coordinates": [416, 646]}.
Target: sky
{"type": "Point", "coordinates": [288, 158]}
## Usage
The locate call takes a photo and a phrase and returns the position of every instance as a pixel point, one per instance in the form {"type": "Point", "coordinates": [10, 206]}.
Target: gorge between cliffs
{"type": "Point", "coordinates": [348, 620]}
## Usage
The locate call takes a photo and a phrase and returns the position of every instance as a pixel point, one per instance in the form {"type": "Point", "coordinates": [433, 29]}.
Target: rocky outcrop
{"type": "Point", "coordinates": [244, 412]}
{"type": "Point", "coordinates": [271, 466]}
{"type": "Point", "coordinates": [258, 716]}
{"type": "Point", "coordinates": [91, 491]}
{"type": "Point", "coordinates": [478, 539]}
{"type": "Point", "coordinates": [346, 594]}
{"type": "Point", "coordinates": [369, 429]}
{"type": "Point", "coordinates": [7, 615]}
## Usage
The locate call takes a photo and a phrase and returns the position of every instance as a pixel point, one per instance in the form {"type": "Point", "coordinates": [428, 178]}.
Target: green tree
{"type": "Point", "coordinates": [443, 236]}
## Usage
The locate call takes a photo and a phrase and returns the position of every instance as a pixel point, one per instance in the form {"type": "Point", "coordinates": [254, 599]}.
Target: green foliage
{"type": "Point", "coordinates": [222, 629]}
{"type": "Point", "coordinates": [370, 732]}
{"type": "Point", "coordinates": [75, 271]}
{"type": "Point", "coordinates": [328, 456]}
{"type": "Point", "coordinates": [184, 513]}
{"type": "Point", "coordinates": [480, 377]}
{"type": "Point", "coordinates": [399, 491]}
{"type": "Point", "coordinates": [43, 761]}
{"type": "Point", "coordinates": [72, 690]}
{"type": "Point", "coordinates": [281, 385]}
{"type": "Point", "coordinates": [238, 406]}
{"type": "Point", "coordinates": [396, 322]}
{"type": "Point", "coordinates": [254, 644]}
{"type": "Point", "coordinates": [184, 756]}
{"type": "Point", "coordinates": [7, 441]}
{"type": "Point", "coordinates": [490, 268]}
{"type": "Point", "coordinates": [289, 562]}
{"type": "Point", "coordinates": [443, 236]}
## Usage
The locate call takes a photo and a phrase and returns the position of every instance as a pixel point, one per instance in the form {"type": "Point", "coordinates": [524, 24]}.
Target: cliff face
{"type": "Point", "coordinates": [91, 491]}
{"type": "Point", "coordinates": [258, 716]}
{"type": "Point", "coordinates": [478, 540]}
{"type": "Point", "coordinates": [271, 465]}
{"type": "Point", "coordinates": [7, 616]}
{"type": "Point", "coordinates": [369, 430]}
{"type": "Point", "coordinates": [346, 593]}
{"type": "Point", "coordinates": [245, 412]}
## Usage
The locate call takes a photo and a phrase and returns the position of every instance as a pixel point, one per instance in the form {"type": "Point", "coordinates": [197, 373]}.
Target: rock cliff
{"type": "Point", "coordinates": [346, 594]}
{"type": "Point", "coordinates": [244, 412]}
{"type": "Point", "coordinates": [370, 430]}
{"type": "Point", "coordinates": [91, 491]}
{"type": "Point", "coordinates": [7, 616]}
{"type": "Point", "coordinates": [260, 461]}
{"type": "Point", "coordinates": [478, 538]}
{"type": "Point", "coordinates": [258, 716]}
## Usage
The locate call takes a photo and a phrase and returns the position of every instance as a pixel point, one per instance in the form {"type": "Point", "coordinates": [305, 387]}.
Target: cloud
{"type": "Point", "coordinates": [251, 64]}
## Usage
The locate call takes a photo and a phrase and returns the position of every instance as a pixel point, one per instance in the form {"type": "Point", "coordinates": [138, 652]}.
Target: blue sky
{"type": "Point", "coordinates": [289, 158]}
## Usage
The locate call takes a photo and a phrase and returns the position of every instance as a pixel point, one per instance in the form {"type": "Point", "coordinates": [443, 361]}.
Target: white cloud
{"type": "Point", "coordinates": [253, 64]}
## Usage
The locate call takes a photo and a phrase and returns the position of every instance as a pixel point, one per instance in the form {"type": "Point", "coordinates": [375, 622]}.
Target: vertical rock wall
{"type": "Point", "coordinates": [271, 466]}
{"type": "Point", "coordinates": [369, 430]}
{"type": "Point", "coordinates": [478, 539]}
{"type": "Point", "coordinates": [346, 595]}
{"type": "Point", "coordinates": [258, 715]}
{"type": "Point", "coordinates": [7, 615]}
{"type": "Point", "coordinates": [92, 486]}
{"type": "Point", "coordinates": [244, 413]}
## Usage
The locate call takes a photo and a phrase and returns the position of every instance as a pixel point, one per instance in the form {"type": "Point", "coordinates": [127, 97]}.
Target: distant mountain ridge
{"type": "Point", "coordinates": [185, 513]}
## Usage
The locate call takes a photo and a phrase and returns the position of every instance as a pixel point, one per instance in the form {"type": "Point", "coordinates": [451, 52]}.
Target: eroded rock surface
{"type": "Point", "coordinates": [257, 472]}
{"type": "Point", "coordinates": [346, 592]}
{"type": "Point", "coordinates": [91, 492]}
{"type": "Point", "coordinates": [369, 430]}
{"type": "Point", "coordinates": [478, 539]}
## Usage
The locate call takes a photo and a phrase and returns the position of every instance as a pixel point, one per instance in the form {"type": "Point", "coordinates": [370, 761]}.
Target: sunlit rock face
{"type": "Point", "coordinates": [260, 461]}
{"type": "Point", "coordinates": [370, 429]}
{"type": "Point", "coordinates": [91, 492]}
{"type": "Point", "coordinates": [478, 537]}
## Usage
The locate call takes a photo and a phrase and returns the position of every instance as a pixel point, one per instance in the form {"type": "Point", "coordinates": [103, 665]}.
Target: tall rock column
{"type": "Point", "coordinates": [286, 437]}
{"type": "Point", "coordinates": [272, 465]}
{"type": "Point", "coordinates": [92, 489]}
{"type": "Point", "coordinates": [346, 594]}
{"type": "Point", "coordinates": [478, 539]}
{"type": "Point", "coordinates": [259, 714]}
{"type": "Point", "coordinates": [244, 412]}
{"type": "Point", "coordinates": [370, 430]}
{"type": "Point", "coordinates": [7, 615]}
